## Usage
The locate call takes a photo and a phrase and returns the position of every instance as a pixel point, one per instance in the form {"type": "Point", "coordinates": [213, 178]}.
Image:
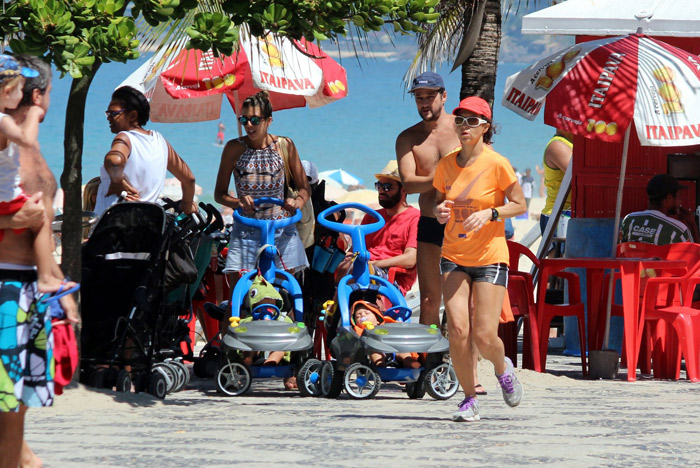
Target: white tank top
{"type": "Point", "coordinates": [9, 170]}
{"type": "Point", "coordinates": [145, 169]}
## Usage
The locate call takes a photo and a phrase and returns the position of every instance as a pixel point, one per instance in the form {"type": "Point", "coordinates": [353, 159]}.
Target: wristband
{"type": "Point", "coordinates": [494, 214]}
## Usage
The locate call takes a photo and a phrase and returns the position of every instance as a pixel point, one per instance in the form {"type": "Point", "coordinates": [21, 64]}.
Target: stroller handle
{"type": "Point", "coordinates": [260, 223]}
{"type": "Point", "coordinates": [356, 231]}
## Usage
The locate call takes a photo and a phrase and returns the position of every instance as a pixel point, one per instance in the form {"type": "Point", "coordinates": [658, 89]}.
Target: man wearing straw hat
{"type": "Point", "coordinates": [418, 150]}
{"type": "Point", "coordinates": [395, 244]}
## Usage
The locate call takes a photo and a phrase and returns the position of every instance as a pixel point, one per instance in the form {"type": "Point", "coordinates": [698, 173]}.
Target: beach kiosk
{"type": "Point", "coordinates": [596, 165]}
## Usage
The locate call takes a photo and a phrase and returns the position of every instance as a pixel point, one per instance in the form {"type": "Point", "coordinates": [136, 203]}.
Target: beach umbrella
{"type": "Point", "coordinates": [341, 176]}
{"type": "Point", "coordinates": [188, 85]}
{"type": "Point", "coordinates": [597, 89]}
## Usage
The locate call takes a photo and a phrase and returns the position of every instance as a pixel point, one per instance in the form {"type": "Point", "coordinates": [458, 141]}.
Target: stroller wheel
{"type": "Point", "coordinates": [441, 382]}
{"type": "Point", "coordinates": [180, 375]}
{"type": "Point", "coordinates": [309, 378]}
{"type": "Point", "coordinates": [182, 371]}
{"type": "Point", "coordinates": [331, 380]}
{"type": "Point", "coordinates": [233, 379]}
{"type": "Point", "coordinates": [416, 390]}
{"type": "Point", "coordinates": [206, 365]}
{"type": "Point", "coordinates": [158, 384]}
{"type": "Point", "coordinates": [123, 381]}
{"type": "Point", "coordinates": [169, 374]}
{"type": "Point", "coordinates": [361, 382]}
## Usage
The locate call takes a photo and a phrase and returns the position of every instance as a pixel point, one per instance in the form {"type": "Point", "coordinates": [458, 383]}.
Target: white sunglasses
{"type": "Point", "coordinates": [469, 121]}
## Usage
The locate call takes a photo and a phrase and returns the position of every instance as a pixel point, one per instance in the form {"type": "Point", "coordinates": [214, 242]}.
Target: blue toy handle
{"type": "Point", "coordinates": [259, 223]}
{"type": "Point", "coordinates": [356, 231]}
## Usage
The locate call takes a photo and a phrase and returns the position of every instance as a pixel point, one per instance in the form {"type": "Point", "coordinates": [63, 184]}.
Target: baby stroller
{"type": "Point", "coordinates": [351, 368]}
{"type": "Point", "coordinates": [136, 255]}
{"type": "Point", "coordinates": [265, 332]}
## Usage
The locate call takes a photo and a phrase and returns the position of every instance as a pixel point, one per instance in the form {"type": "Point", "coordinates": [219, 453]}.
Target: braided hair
{"type": "Point", "coordinates": [133, 99]}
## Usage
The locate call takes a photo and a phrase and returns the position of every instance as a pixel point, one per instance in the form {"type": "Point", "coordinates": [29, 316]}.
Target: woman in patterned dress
{"type": "Point", "coordinates": [257, 165]}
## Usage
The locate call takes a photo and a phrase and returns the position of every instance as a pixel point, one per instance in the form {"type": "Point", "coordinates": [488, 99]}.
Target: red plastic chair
{"type": "Point", "coordinates": [540, 315]}
{"type": "Point", "coordinates": [673, 324]}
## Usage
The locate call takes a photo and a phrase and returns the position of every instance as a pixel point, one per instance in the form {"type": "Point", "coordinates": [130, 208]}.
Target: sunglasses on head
{"type": "Point", "coordinates": [113, 113]}
{"type": "Point", "coordinates": [255, 120]}
{"type": "Point", "coordinates": [383, 186]}
{"type": "Point", "coordinates": [469, 121]}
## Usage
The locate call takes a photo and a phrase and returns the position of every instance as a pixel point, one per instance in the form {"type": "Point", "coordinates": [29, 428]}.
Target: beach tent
{"type": "Point", "coordinates": [667, 18]}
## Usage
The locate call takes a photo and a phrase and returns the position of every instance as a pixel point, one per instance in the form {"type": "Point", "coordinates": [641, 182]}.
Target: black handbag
{"type": "Point", "coordinates": [180, 267]}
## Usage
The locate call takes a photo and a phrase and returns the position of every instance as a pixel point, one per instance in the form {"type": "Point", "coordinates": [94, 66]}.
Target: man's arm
{"type": "Point", "coordinates": [558, 155]}
{"type": "Point", "coordinates": [412, 182]}
{"type": "Point", "coordinates": [406, 260]}
{"type": "Point", "coordinates": [31, 215]}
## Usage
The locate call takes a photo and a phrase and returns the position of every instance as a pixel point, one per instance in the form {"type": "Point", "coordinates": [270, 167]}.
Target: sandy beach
{"type": "Point", "coordinates": [563, 420]}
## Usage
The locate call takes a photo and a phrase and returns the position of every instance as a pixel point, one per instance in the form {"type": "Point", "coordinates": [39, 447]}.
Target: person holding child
{"type": "Point", "coordinates": [12, 195]}
{"type": "Point", "coordinates": [472, 184]}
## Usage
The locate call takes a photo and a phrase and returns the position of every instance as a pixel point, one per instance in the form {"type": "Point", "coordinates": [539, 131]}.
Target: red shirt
{"type": "Point", "coordinates": [399, 232]}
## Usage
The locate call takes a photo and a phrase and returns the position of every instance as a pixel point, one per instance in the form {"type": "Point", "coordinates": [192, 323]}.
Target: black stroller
{"type": "Point", "coordinates": [138, 257]}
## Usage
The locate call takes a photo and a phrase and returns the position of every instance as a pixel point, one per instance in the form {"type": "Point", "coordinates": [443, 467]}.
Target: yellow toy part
{"type": "Point", "coordinates": [234, 321]}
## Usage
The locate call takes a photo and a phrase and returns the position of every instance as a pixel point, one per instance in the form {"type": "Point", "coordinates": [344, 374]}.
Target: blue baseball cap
{"type": "Point", "coordinates": [428, 80]}
{"type": "Point", "coordinates": [9, 68]}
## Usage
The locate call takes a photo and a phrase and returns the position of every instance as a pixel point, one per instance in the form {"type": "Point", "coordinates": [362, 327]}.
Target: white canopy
{"type": "Point", "coordinates": [617, 17]}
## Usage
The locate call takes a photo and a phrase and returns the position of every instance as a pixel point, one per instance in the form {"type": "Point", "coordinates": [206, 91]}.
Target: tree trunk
{"type": "Point", "coordinates": [479, 71]}
{"type": "Point", "coordinates": [71, 179]}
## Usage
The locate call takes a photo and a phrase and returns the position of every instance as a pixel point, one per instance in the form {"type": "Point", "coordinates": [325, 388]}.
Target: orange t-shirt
{"type": "Point", "coordinates": [473, 188]}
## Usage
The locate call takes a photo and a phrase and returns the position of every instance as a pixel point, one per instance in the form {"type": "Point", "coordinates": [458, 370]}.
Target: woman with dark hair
{"type": "Point", "coordinates": [472, 184]}
{"type": "Point", "coordinates": [137, 162]}
{"type": "Point", "coordinates": [257, 162]}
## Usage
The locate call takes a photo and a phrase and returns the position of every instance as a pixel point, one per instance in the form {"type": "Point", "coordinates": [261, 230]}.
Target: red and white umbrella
{"type": "Point", "coordinates": [596, 89]}
{"type": "Point", "coordinates": [188, 85]}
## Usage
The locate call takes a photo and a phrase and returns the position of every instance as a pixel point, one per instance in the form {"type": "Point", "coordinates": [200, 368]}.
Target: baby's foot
{"type": "Point", "coordinates": [51, 284]}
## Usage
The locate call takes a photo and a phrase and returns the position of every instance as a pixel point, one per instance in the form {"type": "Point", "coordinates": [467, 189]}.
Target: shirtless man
{"type": "Point", "coordinates": [418, 150]}
{"type": "Point", "coordinates": [17, 284]}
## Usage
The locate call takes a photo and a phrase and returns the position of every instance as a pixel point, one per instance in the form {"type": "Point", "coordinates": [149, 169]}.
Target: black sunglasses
{"type": "Point", "coordinates": [255, 120]}
{"type": "Point", "coordinates": [113, 113]}
{"type": "Point", "coordinates": [383, 186]}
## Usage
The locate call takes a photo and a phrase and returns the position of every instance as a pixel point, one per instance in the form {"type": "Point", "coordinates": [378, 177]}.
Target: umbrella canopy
{"type": "Point", "coordinates": [597, 89]}
{"type": "Point", "coordinates": [341, 176]}
{"type": "Point", "coordinates": [189, 85]}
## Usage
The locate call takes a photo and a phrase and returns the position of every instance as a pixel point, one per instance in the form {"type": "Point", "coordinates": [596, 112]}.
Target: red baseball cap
{"type": "Point", "coordinates": [474, 104]}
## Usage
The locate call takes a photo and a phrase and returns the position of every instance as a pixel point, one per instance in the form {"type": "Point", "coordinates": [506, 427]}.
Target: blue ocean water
{"type": "Point", "coordinates": [357, 133]}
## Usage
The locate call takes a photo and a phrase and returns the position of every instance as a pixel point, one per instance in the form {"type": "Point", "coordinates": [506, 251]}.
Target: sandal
{"type": "Point", "coordinates": [290, 383]}
{"type": "Point", "coordinates": [51, 297]}
{"type": "Point", "coordinates": [480, 390]}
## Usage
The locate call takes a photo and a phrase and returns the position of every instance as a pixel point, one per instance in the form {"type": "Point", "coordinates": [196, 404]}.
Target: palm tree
{"type": "Point", "coordinates": [468, 32]}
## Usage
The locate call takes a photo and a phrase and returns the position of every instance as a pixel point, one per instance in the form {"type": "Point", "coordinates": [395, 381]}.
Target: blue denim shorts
{"type": "Point", "coordinates": [245, 242]}
{"type": "Point", "coordinates": [496, 273]}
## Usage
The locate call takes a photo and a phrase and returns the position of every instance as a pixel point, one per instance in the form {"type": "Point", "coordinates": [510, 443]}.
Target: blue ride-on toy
{"type": "Point", "coordinates": [265, 332]}
{"type": "Point", "coordinates": [351, 369]}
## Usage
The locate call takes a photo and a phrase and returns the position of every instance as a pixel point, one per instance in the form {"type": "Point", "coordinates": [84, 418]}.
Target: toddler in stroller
{"type": "Point", "coordinates": [366, 316]}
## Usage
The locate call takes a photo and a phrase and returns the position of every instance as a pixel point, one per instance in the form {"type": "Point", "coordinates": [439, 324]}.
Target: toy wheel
{"type": "Point", "coordinates": [207, 364]}
{"type": "Point", "coordinates": [233, 379]}
{"type": "Point", "coordinates": [168, 372]}
{"type": "Point", "coordinates": [331, 380]}
{"type": "Point", "coordinates": [361, 382]}
{"type": "Point", "coordinates": [441, 382]}
{"type": "Point", "coordinates": [416, 390]}
{"type": "Point", "coordinates": [158, 384]}
{"type": "Point", "coordinates": [182, 374]}
{"type": "Point", "coordinates": [309, 378]}
{"type": "Point", "coordinates": [123, 381]}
